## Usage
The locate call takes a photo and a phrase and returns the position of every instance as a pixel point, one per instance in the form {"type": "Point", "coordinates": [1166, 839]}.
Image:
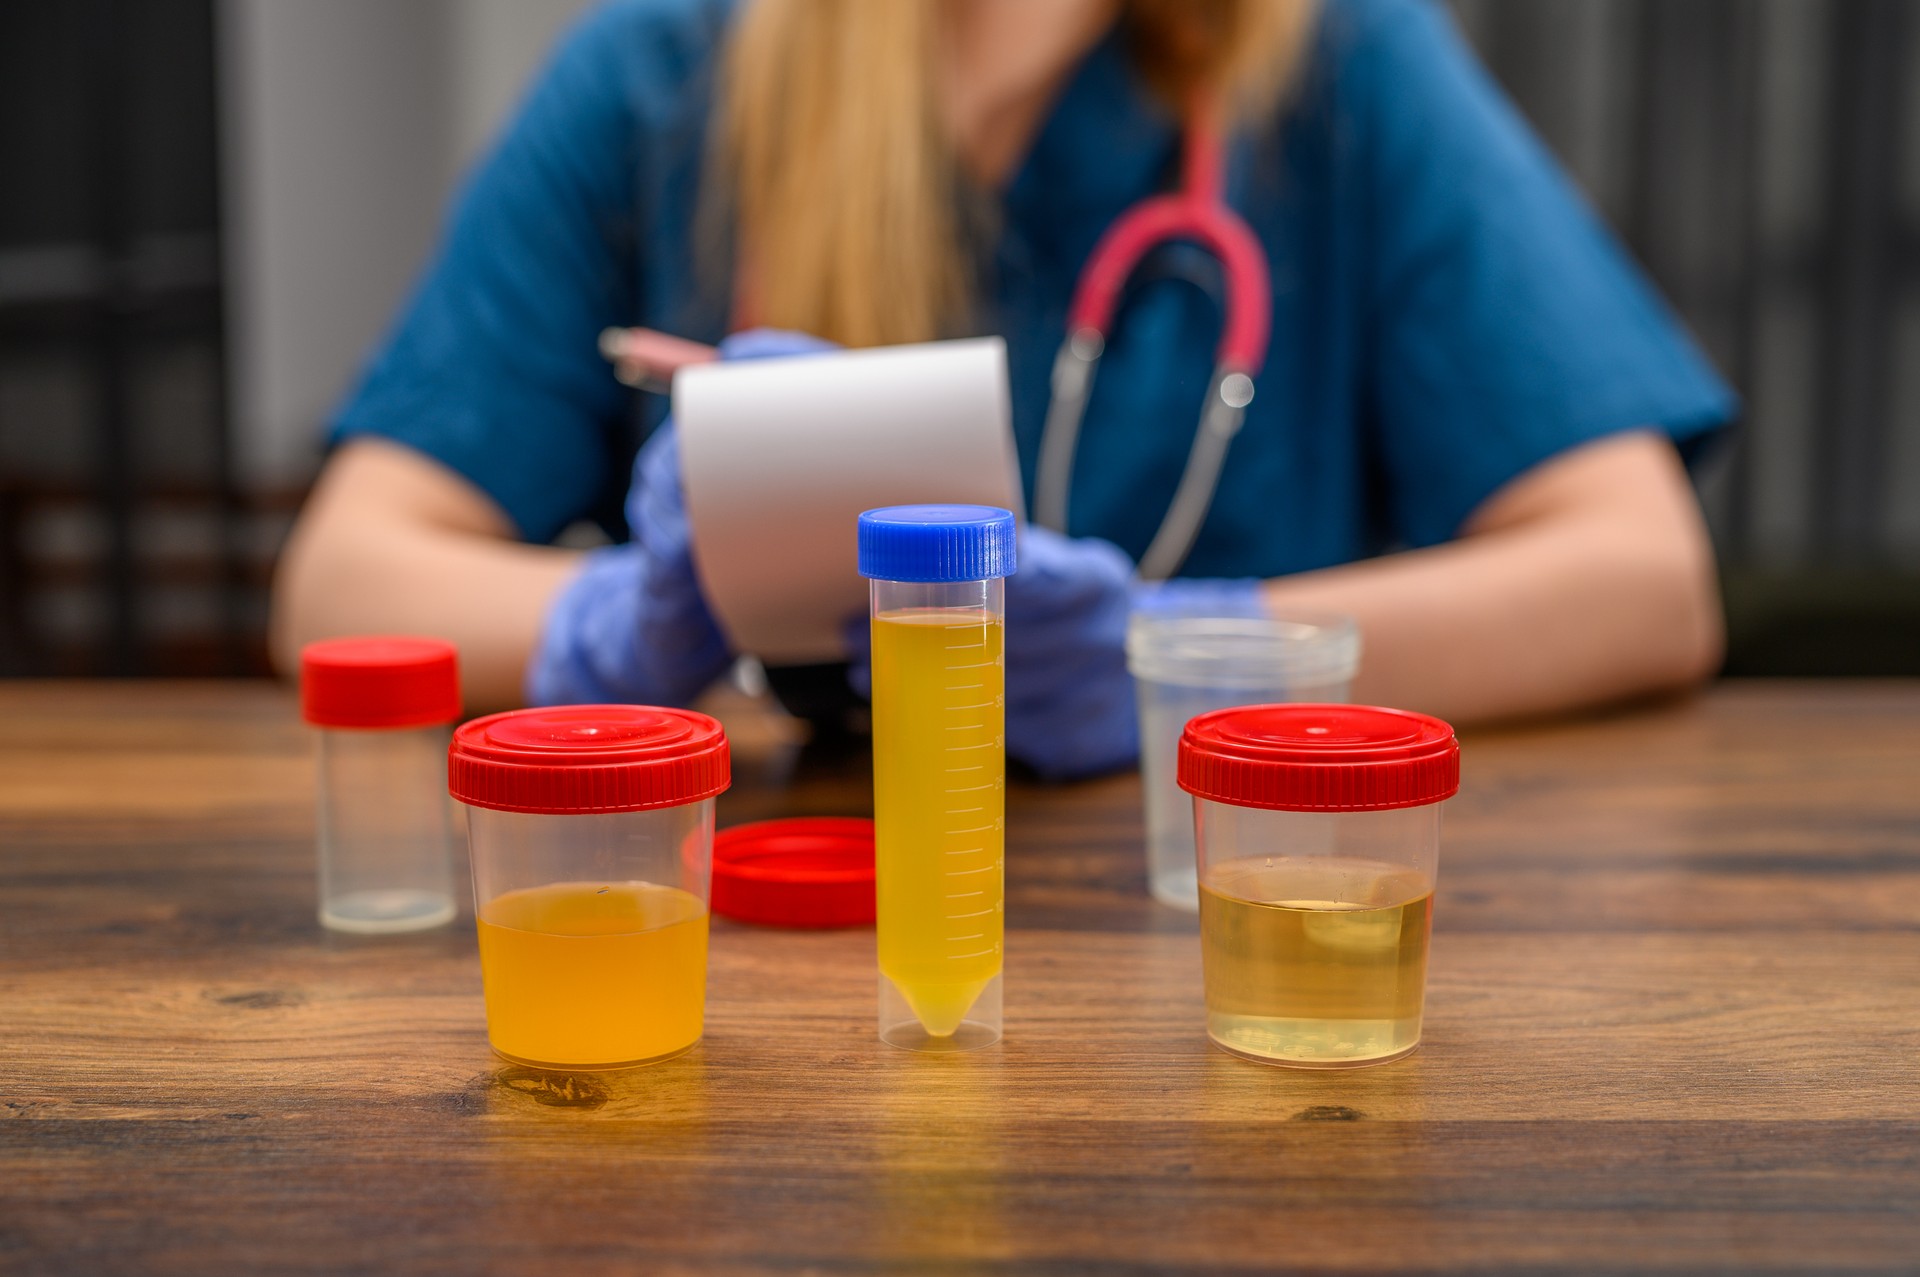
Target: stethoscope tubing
{"type": "Point", "coordinates": [1197, 212]}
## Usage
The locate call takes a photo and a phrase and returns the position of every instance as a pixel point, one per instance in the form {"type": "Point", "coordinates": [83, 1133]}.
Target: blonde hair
{"type": "Point", "coordinates": [842, 187]}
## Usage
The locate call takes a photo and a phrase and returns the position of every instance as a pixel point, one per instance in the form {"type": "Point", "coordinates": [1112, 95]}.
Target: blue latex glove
{"type": "Point", "coordinates": [632, 627]}
{"type": "Point", "coordinates": [1070, 703]}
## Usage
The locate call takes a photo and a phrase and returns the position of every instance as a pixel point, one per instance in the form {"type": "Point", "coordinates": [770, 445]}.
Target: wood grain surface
{"type": "Point", "coordinates": [1673, 1025]}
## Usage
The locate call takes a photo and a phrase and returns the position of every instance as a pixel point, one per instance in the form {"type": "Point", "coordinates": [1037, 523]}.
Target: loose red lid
{"type": "Point", "coordinates": [572, 759]}
{"type": "Point", "coordinates": [383, 681]}
{"type": "Point", "coordinates": [812, 871]}
{"type": "Point", "coordinates": [1319, 758]}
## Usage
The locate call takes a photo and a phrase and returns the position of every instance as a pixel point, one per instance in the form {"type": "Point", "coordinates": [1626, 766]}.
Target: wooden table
{"type": "Point", "coordinates": [1674, 1023]}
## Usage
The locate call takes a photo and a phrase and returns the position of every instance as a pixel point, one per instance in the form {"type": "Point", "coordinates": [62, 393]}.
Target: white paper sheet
{"type": "Point", "coordinates": [780, 456]}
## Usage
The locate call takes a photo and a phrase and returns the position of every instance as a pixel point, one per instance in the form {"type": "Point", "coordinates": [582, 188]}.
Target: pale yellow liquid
{"type": "Point", "coordinates": [1313, 962]}
{"type": "Point", "coordinates": [594, 974]}
{"type": "Point", "coordinates": [939, 776]}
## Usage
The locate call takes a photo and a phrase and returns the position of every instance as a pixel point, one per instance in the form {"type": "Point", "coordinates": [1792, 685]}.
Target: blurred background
{"type": "Point", "coordinates": [210, 208]}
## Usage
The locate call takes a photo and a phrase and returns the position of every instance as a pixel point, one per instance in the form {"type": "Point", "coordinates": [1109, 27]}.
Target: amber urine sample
{"type": "Point", "coordinates": [594, 975]}
{"type": "Point", "coordinates": [1315, 962]}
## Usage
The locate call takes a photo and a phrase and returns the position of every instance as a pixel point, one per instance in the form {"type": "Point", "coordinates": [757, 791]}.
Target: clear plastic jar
{"type": "Point", "coordinates": [384, 708]}
{"type": "Point", "coordinates": [1184, 664]}
{"type": "Point", "coordinates": [1318, 833]}
{"type": "Point", "coordinates": [591, 831]}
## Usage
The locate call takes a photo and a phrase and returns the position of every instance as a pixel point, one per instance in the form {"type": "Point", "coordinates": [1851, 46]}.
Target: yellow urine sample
{"type": "Point", "coordinates": [939, 778]}
{"type": "Point", "coordinates": [1316, 963]}
{"type": "Point", "coordinates": [594, 974]}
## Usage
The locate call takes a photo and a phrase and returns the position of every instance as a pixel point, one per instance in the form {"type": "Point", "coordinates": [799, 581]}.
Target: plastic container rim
{"type": "Point", "coordinates": [1302, 649]}
{"type": "Point", "coordinates": [620, 809]}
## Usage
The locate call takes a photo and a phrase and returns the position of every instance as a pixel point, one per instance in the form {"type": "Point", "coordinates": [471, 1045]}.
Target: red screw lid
{"type": "Point", "coordinates": [387, 681]}
{"type": "Point", "coordinates": [572, 759]}
{"type": "Point", "coordinates": [811, 871]}
{"type": "Point", "coordinates": [1319, 758]}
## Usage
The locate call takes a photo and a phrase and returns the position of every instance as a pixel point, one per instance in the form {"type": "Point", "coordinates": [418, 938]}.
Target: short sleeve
{"type": "Point", "coordinates": [493, 367]}
{"type": "Point", "coordinates": [1504, 323]}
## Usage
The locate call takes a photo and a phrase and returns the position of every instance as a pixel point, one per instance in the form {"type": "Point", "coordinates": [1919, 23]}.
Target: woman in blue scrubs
{"type": "Point", "coordinates": [1468, 433]}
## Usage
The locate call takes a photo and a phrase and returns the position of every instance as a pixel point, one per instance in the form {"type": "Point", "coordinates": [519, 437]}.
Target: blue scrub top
{"type": "Point", "coordinates": [1448, 312]}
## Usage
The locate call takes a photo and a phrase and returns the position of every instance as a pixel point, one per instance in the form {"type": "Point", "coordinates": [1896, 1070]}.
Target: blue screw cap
{"type": "Point", "coordinates": [936, 543]}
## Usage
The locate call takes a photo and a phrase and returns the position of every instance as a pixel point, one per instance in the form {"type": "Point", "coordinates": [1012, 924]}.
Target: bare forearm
{"type": "Point", "coordinates": [1506, 625]}
{"type": "Point", "coordinates": [361, 563]}
{"type": "Point", "coordinates": [486, 597]}
{"type": "Point", "coordinates": [1535, 613]}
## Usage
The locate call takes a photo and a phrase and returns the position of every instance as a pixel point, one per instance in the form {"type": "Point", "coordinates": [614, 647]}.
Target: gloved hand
{"type": "Point", "coordinates": [632, 626]}
{"type": "Point", "coordinates": [1070, 704]}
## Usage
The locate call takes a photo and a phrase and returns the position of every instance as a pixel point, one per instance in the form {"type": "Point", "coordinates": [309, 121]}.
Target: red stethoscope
{"type": "Point", "coordinates": [1196, 212]}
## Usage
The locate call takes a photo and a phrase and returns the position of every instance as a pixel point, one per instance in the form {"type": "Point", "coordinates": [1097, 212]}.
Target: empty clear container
{"type": "Point", "coordinates": [1318, 831]}
{"type": "Point", "coordinates": [384, 708]}
{"type": "Point", "coordinates": [591, 831]}
{"type": "Point", "coordinates": [1185, 664]}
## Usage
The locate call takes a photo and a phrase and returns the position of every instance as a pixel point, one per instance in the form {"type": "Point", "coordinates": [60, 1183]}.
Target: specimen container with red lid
{"type": "Point", "coordinates": [1318, 836]}
{"type": "Point", "coordinates": [591, 828]}
{"type": "Point", "coordinates": [383, 707]}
